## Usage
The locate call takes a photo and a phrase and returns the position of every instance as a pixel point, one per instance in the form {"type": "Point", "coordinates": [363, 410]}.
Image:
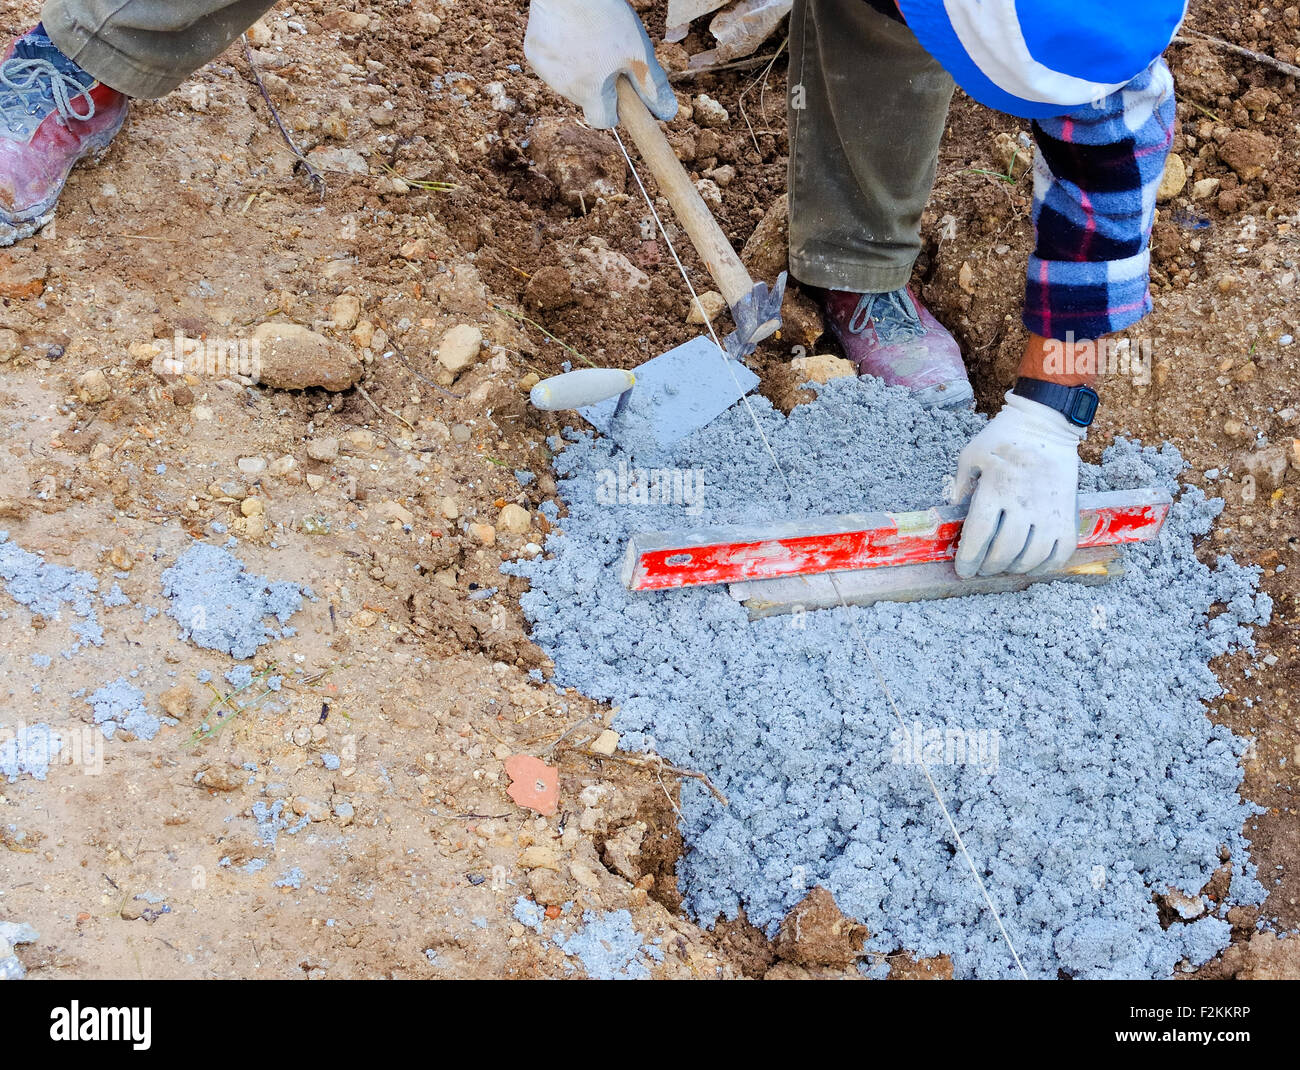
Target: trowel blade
{"type": "Point", "coordinates": [676, 393]}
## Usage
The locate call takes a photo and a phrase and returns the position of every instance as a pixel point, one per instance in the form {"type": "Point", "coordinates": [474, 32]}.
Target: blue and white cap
{"type": "Point", "coordinates": [1036, 58]}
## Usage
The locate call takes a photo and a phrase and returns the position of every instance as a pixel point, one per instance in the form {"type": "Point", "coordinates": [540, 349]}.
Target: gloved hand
{"type": "Point", "coordinates": [1024, 471]}
{"type": "Point", "coordinates": [580, 47]}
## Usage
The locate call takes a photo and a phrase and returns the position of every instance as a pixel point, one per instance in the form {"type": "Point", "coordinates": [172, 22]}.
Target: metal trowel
{"type": "Point", "coordinates": [660, 402]}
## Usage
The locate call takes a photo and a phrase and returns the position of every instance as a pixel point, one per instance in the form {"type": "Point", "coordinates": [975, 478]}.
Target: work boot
{"type": "Point", "coordinates": [893, 337]}
{"type": "Point", "coordinates": [52, 114]}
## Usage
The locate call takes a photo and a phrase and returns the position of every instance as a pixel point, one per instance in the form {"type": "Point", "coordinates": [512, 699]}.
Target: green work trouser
{"type": "Point", "coordinates": [146, 48]}
{"type": "Point", "coordinates": [867, 110]}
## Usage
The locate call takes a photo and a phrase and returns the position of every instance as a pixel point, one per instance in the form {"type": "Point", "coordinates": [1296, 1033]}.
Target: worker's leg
{"type": "Point", "coordinates": [65, 84]}
{"type": "Point", "coordinates": [867, 110]}
{"type": "Point", "coordinates": [146, 48]}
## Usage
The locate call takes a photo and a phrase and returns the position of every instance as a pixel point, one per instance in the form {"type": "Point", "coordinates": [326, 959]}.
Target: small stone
{"type": "Point", "coordinates": [334, 126]}
{"type": "Point", "coordinates": [461, 433]}
{"type": "Point", "coordinates": [529, 381]}
{"type": "Point", "coordinates": [252, 506]}
{"type": "Point", "coordinates": [450, 508]}
{"type": "Point", "coordinates": [623, 851]}
{"type": "Point", "coordinates": [259, 34]}
{"type": "Point", "coordinates": [344, 812]}
{"type": "Point", "coordinates": [459, 348]}
{"type": "Point", "coordinates": [363, 334]}
{"type": "Point", "coordinates": [252, 466]}
{"type": "Point", "coordinates": [1234, 428]}
{"type": "Point", "coordinates": [614, 270]}
{"type": "Point", "coordinates": [514, 519]}
{"type": "Point", "coordinates": [415, 250]}
{"type": "Point", "coordinates": [222, 777]}
{"type": "Point", "coordinates": [120, 558]}
{"type": "Point", "coordinates": [301, 735]}
{"type": "Point", "coordinates": [539, 856]}
{"type": "Point", "coordinates": [365, 618]}
{"type": "Point", "coordinates": [361, 440]}
{"type": "Point", "coordinates": [310, 808]}
{"type": "Point", "coordinates": [709, 193]}
{"type": "Point", "coordinates": [22, 276]}
{"type": "Point", "coordinates": [1247, 152]}
{"type": "Point", "coordinates": [606, 743]}
{"type": "Point", "coordinates": [583, 874]}
{"type": "Point", "coordinates": [93, 387]}
{"type": "Point", "coordinates": [176, 701]}
{"type": "Point", "coordinates": [765, 253]}
{"type": "Point", "coordinates": [1186, 907]}
{"type": "Point", "coordinates": [1268, 466]}
{"type": "Point", "coordinates": [723, 176]}
{"type": "Point", "coordinates": [1174, 178]}
{"type": "Point", "coordinates": [336, 158]}
{"type": "Point", "coordinates": [393, 512]}
{"type": "Point", "coordinates": [319, 733]}
{"type": "Point", "coordinates": [707, 306]}
{"type": "Point", "coordinates": [1204, 187]}
{"type": "Point", "coordinates": [822, 368]}
{"type": "Point", "coordinates": [710, 113]}
{"type": "Point", "coordinates": [10, 345]}
{"type": "Point", "coordinates": [315, 481]}
{"type": "Point", "coordinates": [484, 533]}
{"type": "Point", "coordinates": [282, 465]}
{"type": "Point", "coordinates": [1295, 454]}
{"type": "Point", "coordinates": [345, 311]}
{"type": "Point", "coordinates": [1014, 153]}
{"type": "Point", "coordinates": [323, 449]}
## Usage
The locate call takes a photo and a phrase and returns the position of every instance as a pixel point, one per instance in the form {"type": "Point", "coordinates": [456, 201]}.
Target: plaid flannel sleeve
{"type": "Point", "coordinates": [1096, 172]}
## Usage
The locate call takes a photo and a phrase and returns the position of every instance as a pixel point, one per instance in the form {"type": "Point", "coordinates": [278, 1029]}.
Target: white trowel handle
{"type": "Point", "coordinates": [578, 389]}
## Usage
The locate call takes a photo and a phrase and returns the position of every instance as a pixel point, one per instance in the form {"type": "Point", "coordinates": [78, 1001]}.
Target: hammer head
{"type": "Point", "coordinates": [757, 315]}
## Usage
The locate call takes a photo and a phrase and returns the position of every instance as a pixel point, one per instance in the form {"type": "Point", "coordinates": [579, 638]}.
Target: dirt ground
{"type": "Point", "coordinates": [455, 196]}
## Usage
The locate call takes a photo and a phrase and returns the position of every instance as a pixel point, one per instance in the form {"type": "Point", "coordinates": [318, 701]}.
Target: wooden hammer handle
{"type": "Point", "coordinates": [729, 274]}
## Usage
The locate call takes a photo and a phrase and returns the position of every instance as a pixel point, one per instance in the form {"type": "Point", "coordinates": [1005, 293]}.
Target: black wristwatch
{"type": "Point", "coordinates": [1078, 404]}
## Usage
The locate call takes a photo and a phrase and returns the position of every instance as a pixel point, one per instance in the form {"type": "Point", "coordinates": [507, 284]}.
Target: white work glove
{"type": "Point", "coordinates": [1024, 471]}
{"type": "Point", "coordinates": [580, 47]}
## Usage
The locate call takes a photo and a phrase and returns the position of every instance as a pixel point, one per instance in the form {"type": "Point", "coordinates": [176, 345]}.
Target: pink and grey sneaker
{"type": "Point", "coordinates": [893, 337]}
{"type": "Point", "coordinates": [52, 114]}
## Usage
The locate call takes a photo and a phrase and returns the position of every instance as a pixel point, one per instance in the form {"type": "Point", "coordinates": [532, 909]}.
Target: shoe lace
{"type": "Point", "coordinates": [893, 314]}
{"type": "Point", "coordinates": [22, 75]}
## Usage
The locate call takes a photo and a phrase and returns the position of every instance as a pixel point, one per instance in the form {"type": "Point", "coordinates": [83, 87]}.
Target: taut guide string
{"type": "Point", "coordinates": [857, 629]}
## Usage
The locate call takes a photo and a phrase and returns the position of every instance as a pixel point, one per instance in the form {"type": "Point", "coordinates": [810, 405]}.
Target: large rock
{"type": "Point", "coordinates": [584, 164]}
{"type": "Point", "coordinates": [291, 357]}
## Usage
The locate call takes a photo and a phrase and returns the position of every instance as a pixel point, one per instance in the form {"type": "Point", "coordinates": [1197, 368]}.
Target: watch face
{"type": "Point", "coordinates": [1083, 407]}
